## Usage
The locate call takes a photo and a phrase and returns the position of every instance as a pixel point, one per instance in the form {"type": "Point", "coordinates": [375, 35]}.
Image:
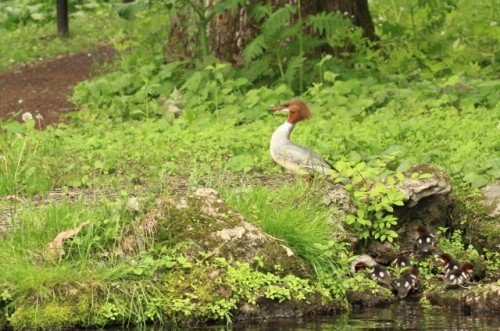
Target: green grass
{"type": "Point", "coordinates": [35, 42]}
{"type": "Point", "coordinates": [295, 214]}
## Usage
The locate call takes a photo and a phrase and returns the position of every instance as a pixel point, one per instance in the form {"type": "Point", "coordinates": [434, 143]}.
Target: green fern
{"type": "Point", "coordinates": [293, 67]}
{"type": "Point", "coordinates": [259, 12]}
{"type": "Point", "coordinates": [328, 24]}
{"type": "Point", "coordinates": [278, 20]}
{"type": "Point", "coordinates": [255, 48]}
{"type": "Point", "coordinates": [260, 68]}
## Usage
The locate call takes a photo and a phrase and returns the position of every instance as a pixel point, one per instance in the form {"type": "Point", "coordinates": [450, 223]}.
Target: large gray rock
{"type": "Point", "coordinates": [428, 200]}
{"type": "Point", "coordinates": [482, 228]}
{"type": "Point", "coordinates": [491, 199]}
{"type": "Point", "coordinates": [203, 223]}
{"type": "Point", "coordinates": [483, 299]}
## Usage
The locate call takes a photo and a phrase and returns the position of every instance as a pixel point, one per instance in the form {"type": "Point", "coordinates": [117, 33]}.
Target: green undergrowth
{"type": "Point", "coordinates": [296, 214]}
{"type": "Point", "coordinates": [113, 273]}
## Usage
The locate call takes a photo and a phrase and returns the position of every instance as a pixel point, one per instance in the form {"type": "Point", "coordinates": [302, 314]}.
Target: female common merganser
{"type": "Point", "coordinates": [458, 277]}
{"type": "Point", "coordinates": [401, 261]}
{"type": "Point", "coordinates": [377, 273]}
{"type": "Point", "coordinates": [449, 263]}
{"type": "Point", "coordinates": [407, 282]}
{"type": "Point", "coordinates": [293, 157]}
{"type": "Point", "coordinates": [425, 241]}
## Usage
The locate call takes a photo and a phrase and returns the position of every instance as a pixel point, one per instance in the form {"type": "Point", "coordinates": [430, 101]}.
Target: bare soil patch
{"type": "Point", "coordinates": [43, 88]}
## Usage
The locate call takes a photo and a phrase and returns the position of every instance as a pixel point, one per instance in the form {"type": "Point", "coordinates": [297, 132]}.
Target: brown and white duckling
{"type": "Point", "coordinates": [408, 282]}
{"type": "Point", "coordinates": [449, 263]}
{"type": "Point", "coordinates": [458, 277]}
{"type": "Point", "coordinates": [401, 261]}
{"type": "Point", "coordinates": [376, 272]}
{"type": "Point", "coordinates": [425, 241]}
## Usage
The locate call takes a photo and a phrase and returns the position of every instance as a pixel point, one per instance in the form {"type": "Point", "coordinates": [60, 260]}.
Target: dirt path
{"type": "Point", "coordinates": [44, 87]}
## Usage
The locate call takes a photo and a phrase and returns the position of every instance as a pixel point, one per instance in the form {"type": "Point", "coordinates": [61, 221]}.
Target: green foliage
{"type": "Point", "coordinates": [290, 60]}
{"type": "Point", "coordinates": [374, 192]}
{"type": "Point", "coordinates": [454, 246]}
{"type": "Point", "coordinates": [437, 38]}
{"type": "Point", "coordinates": [14, 14]}
{"type": "Point", "coordinates": [295, 214]}
{"type": "Point", "coordinates": [89, 26]}
{"type": "Point", "coordinates": [492, 259]}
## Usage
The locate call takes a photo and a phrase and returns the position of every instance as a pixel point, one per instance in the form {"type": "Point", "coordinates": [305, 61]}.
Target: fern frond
{"type": "Point", "coordinates": [277, 21]}
{"type": "Point", "coordinates": [311, 43]}
{"type": "Point", "coordinates": [259, 12]}
{"type": "Point", "coordinates": [254, 49]}
{"type": "Point", "coordinates": [328, 23]}
{"type": "Point", "coordinates": [257, 69]}
{"type": "Point", "coordinates": [287, 32]}
{"type": "Point", "coordinates": [293, 66]}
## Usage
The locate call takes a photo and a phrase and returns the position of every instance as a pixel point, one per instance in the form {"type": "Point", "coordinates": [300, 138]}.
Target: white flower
{"type": "Point", "coordinates": [26, 117]}
{"type": "Point", "coordinates": [494, 23]}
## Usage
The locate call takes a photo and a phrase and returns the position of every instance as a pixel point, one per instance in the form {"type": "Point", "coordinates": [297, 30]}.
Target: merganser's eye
{"type": "Point", "coordinates": [286, 104]}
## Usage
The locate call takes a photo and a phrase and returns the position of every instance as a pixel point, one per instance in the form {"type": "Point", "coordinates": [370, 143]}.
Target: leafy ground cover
{"type": "Point", "coordinates": [429, 93]}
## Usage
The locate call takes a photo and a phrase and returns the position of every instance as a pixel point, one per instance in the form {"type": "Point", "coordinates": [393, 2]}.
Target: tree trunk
{"type": "Point", "coordinates": [62, 18]}
{"type": "Point", "coordinates": [357, 10]}
{"type": "Point", "coordinates": [230, 33]}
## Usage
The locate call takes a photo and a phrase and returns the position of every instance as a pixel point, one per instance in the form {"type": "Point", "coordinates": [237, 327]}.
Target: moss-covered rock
{"type": "Point", "coordinates": [369, 294]}
{"type": "Point", "coordinates": [483, 299]}
{"type": "Point", "coordinates": [482, 226]}
{"type": "Point", "coordinates": [62, 314]}
{"type": "Point", "coordinates": [203, 223]}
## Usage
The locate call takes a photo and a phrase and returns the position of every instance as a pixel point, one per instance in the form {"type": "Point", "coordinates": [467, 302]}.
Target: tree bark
{"type": "Point", "coordinates": [230, 33]}
{"type": "Point", "coordinates": [62, 18]}
{"type": "Point", "coordinates": [357, 10]}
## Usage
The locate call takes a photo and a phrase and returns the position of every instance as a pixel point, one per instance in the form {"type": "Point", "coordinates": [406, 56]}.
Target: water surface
{"type": "Point", "coordinates": [400, 316]}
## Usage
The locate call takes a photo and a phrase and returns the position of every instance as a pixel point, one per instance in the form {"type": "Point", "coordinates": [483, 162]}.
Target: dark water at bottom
{"type": "Point", "coordinates": [401, 316]}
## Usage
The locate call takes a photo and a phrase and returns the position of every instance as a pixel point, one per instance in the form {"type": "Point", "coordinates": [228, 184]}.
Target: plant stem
{"type": "Point", "coordinates": [301, 47]}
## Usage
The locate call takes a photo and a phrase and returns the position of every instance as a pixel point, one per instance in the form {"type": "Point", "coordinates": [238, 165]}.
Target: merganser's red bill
{"type": "Point", "coordinates": [277, 108]}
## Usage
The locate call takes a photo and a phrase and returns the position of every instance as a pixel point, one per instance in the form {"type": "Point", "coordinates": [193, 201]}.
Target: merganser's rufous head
{"type": "Point", "coordinates": [297, 110]}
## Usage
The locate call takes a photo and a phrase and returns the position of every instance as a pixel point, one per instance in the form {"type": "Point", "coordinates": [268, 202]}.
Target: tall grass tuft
{"type": "Point", "coordinates": [295, 214]}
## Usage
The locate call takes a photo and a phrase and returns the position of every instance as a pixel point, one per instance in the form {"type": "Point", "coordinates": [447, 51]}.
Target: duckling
{"type": "Point", "coordinates": [376, 272]}
{"type": "Point", "coordinates": [408, 282]}
{"type": "Point", "coordinates": [425, 241]}
{"type": "Point", "coordinates": [458, 277]}
{"type": "Point", "coordinates": [449, 263]}
{"type": "Point", "coordinates": [401, 261]}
